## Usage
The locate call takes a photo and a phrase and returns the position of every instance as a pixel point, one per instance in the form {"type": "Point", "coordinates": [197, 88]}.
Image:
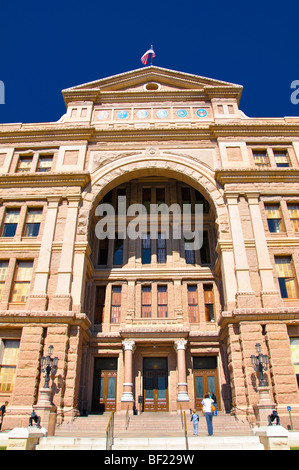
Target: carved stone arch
{"type": "Point", "coordinates": [129, 167]}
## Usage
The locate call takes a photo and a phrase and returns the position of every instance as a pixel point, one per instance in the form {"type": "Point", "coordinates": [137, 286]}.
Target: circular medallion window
{"type": "Point", "coordinates": [152, 86]}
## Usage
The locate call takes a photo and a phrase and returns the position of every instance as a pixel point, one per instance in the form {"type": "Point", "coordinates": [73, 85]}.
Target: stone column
{"type": "Point", "coordinates": [180, 347]}
{"type": "Point", "coordinates": [38, 299]}
{"type": "Point", "coordinates": [270, 296]}
{"type": "Point", "coordinates": [283, 378]}
{"type": "Point", "coordinates": [245, 294]}
{"type": "Point", "coordinates": [127, 396]}
{"type": "Point", "coordinates": [25, 389]}
{"type": "Point", "coordinates": [62, 299]}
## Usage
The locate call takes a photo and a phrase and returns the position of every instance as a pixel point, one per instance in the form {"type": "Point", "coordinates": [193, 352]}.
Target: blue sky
{"type": "Point", "coordinates": [46, 47]}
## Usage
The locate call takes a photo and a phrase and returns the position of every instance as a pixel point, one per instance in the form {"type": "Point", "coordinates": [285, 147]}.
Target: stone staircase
{"type": "Point", "coordinates": [151, 431]}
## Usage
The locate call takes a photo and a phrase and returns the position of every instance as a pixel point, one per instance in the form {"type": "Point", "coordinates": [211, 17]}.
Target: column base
{"type": "Point", "coordinates": [127, 397]}
{"type": "Point", "coordinates": [61, 302]}
{"type": "Point", "coordinates": [246, 300]}
{"type": "Point", "coordinates": [183, 396]}
{"type": "Point", "coordinates": [37, 302]}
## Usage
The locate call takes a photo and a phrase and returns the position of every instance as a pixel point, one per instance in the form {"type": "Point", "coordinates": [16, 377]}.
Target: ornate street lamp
{"type": "Point", "coordinates": [49, 365]}
{"type": "Point", "coordinates": [260, 364]}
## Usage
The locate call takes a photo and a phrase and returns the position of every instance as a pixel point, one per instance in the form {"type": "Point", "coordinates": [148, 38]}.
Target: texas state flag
{"type": "Point", "coordinates": [144, 58]}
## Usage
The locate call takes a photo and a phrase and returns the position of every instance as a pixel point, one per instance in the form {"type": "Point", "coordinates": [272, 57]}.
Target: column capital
{"type": "Point", "coordinates": [252, 197]}
{"type": "Point", "coordinates": [129, 345]}
{"type": "Point", "coordinates": [53, 201]}
{"type": "Point", "coordinates": [180, 344]}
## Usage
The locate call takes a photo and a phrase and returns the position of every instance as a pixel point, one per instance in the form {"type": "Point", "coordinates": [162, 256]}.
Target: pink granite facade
{"type": "Point", "coordinates": [150, 324]}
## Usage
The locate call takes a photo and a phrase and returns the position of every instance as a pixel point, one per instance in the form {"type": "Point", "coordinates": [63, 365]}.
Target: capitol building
{"type": "Point", "coordinates": [150, 323]}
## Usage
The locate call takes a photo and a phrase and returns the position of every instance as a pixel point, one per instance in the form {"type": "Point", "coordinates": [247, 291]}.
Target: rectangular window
{"type": "Point", "coordinates": [146, 248]}
{"type": "Point", "coordinates": [209, 302]}
{"type": "Point", "coordinates": [161, 248]}
{"type": "Point", "coordinates": [199, 199]}
{"type": "Point", "coordinates": [261, 159]}
{"type": "Point", "coordinates": [189, 252]}
{"type": "Point", "coordinates": [146, 310]}
{"type": "Point", "coordinates": [116, 304]}
{"type": "Point", "coordinates": [24, 164]}
{"type": "Point", "coordinates": [9, 351]}
{"type": "Point", "coordinates": [186, 196]}
{"type": "Point", "coordinates": [10, 222]}
{"type": "Point", "coordinates": [22, 281]}
{"type": "Point", "coordinates": [146, 198]}
{"type": "Point", "coordinates": [281, 158]}
{"type": "Point", "coordinates": [103, 251]}
{"type": "Point", "coordinates": [121, 192]}
{"type": "Point", "coordinates": [160, 196]}
{"type": "Point", "coordinates": [33, 221]}
{"type": "Point", "coordinates": [162, 301]}
{"type": "Point", "coordinates": [274, 218]}
{"type": "Point", "coordinates": [294, 216]}
{"type": "Point", "coordinates": [100, 305]}
{"type": "Point", "coordinates": [193, 304]}
{"type": "Point", "coordinates": [205, 249]}
{"type": "Point", "coordinates": [286, 277]}
{"type": "Point", "coordinates": [44, 163]}
{"type": "Point", "coordinates": [118, 250]}
{"type": "Point", "coordinates": [3, 274]}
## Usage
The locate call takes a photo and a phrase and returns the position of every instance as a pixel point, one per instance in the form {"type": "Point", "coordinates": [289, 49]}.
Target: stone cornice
{"type": "Point", "coordinates": [44, 132]}
{"type": "Point", "coordinates": [44, 317]}
{"type": "Point", "coordinates": [252, 175]}
{"type": "Point", "coordinates": [288, 314]}
{"type": "Point", "coordinates": [256, 128]}
{"type": "Point", "coordinates": [21, 180]}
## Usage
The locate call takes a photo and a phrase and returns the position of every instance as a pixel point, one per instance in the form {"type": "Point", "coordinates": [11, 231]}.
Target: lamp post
{"type": "Point", "coordinates": [260, 364]}
{"type": "Point", "coordinates": [49, 364]}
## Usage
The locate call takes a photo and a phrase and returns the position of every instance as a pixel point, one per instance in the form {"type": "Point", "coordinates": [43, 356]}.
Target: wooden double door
{"type": "Point", "coordinates": [104, 386]}
{"type": "Point", "coordinates": [205, 381]}
{"type": "Point", "coordinates": [155, 385]}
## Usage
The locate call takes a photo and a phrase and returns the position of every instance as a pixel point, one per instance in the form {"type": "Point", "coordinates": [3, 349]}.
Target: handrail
{"type": "Point", "coordinates": [247, 413]}
{"type": "Point", "coordinates": [186, 431]}
{"type": "Point", "coordinates": [184, 426]}
{"type": "Point", "coordinates": [62, 413]}
{"type": "Point", "coordinates": [110, 432]}
{"type": "Point", "coordinates": [127, 418]}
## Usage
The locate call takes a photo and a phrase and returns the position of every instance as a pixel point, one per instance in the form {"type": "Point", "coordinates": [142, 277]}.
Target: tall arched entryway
{"type": "Point", "coordinates": [153, 293]}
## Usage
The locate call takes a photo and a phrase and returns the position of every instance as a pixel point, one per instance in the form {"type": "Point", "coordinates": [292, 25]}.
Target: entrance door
{"type": "Point", "coordinates": [205, 380]}
{"type": "Point", "coordinates": [155, 384]}
{"type": "Point", "coordinates": [104, 391]}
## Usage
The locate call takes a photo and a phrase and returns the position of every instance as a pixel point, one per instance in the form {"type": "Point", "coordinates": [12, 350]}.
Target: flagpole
{"type": "Point", "coordinates": [152, 48]}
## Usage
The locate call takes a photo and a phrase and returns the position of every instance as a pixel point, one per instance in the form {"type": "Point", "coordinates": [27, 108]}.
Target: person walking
{"type": "Point", "coordinates": [195, 420]}
{"type": "Point", "coordinates": [2, 413]}
{"type": "Point", "coordinates": [207, 408]}
{"type": "Point", "coordinates": [213, 396]}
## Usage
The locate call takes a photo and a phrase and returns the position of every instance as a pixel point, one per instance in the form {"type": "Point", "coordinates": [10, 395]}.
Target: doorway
{"type": "Point", "coordinates": [155, 384]}
{"type": "Point", "coordinates": [205, 376]}
{"type": "Point", "coordinates": [104, 385]}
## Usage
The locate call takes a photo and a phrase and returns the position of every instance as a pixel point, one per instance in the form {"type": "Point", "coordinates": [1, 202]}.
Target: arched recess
{"type": "Point", "coordinates": [182, 168]}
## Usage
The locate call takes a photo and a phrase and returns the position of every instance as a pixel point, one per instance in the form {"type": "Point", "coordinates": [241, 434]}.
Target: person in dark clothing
{"type": "Point", "coordinates": [2, 413]}
{"type": "Point", "coordinates": [273, 417]}
{"type": "Point", "coordinates": [35, 418]}
{"type": "Point", "coordinates": [213, 396]}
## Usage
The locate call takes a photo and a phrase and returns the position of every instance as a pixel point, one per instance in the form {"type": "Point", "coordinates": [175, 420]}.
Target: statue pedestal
{"type": "Point", "coordinates": [25, 438]}
{"type": "Point", "coordinates": [273, 437]}
{"type": "Point", "coordinates": [264, 407]}
{"type": "Point", "coordinates": [46, 410]}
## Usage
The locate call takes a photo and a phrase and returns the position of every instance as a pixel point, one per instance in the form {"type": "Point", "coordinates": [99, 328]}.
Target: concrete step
{"type": "Point", "coordinates": [71, 443]}
{"type": "Point", "coordinates": [153, 443]}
